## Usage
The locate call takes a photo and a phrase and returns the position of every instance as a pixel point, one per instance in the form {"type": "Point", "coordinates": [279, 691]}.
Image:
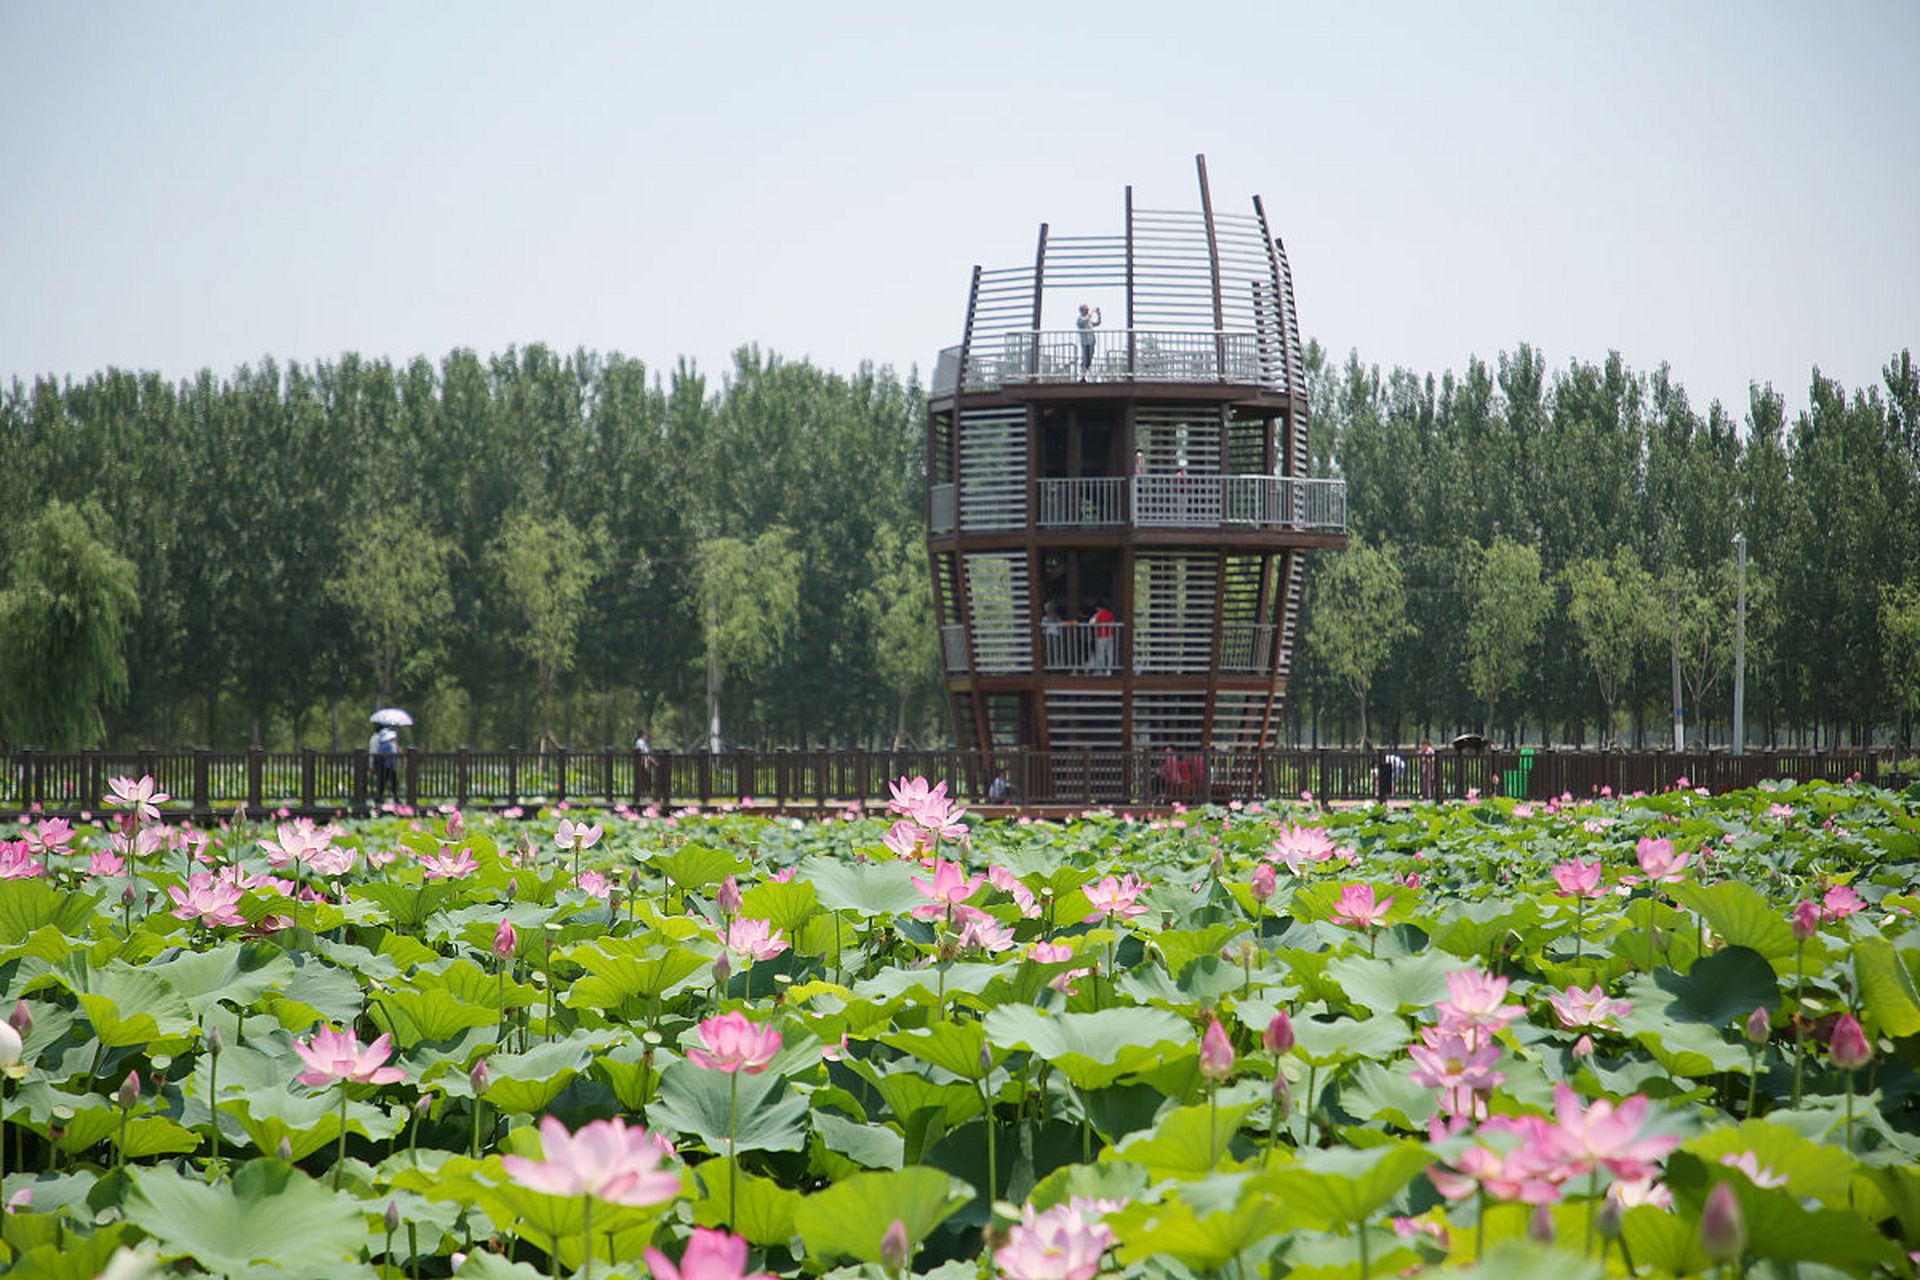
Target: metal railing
{"type": "Point", "coordinates": [1107, 355]}
{"type": "Point", "coordinates": [940, 507]}
{"type": "Point", "coordinates": [1086, 502]}
{"type": "Point", "coordinates": [1246, 646]}
{"type": "Point", "coordinates": [1290, 502]}
{"type": "Point", "coordinates": [953, 646]}
{"type": "Point", "coordinates": [1178, 499]}
{"type": "Point", "coordinates": [207, 783]}
{"type": "Point", "coordinates": [1082, 648]}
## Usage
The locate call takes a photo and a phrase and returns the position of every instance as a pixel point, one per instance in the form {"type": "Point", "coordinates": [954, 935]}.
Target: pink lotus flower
{"type": "Point", "coordinates": [711, 1254]}
{"type": "Point", "coordinates": [1278, 1037]}
{"type": "Point", "coordinates": [1357, 909]}
{"type": "Point", "coordinates": [506, 940]}
{"type": "Point", "coordinates": [594, 883]}
{"type": "Point", "coordinates": [206, 900]}
{"type": "Point", "coordinates": [1781, 811]}
{"type": "Point", "coordinates": [1749, 1164]}
{"type": "Point", "coordinates": [1806, 919]}
{"type": "Point", "coordinates": [754, 939]}
{"type": "Point", "coordinates": [103, 863]}
{"type": "Point", "coordinates": [907, 839]}
{"type": "Point", "coordinates": [1578, 879]}
{"type": "Point", "coordinates": [1659, 861]}
{"type": "Point", "coordinates": [911, 794]}
{"type": "Point", "coordinates": [733, 1043]}
{"type": "Point", "coordinates": [1476, 1010]}
{"type": "Point", "coordinates": [51, 835]}
{"type": "Point", "coordinates": [1849, 1047]}
{"type": "Point", "coordinates": [1608, 1136]}
{"type": "Point", "coordinates": [1116, 898]}
{"type": "Point", "coordinates": [577, 835]}
{"type": "Point", "coordinates": [1049, 952]}
{"type": "Point", "coordinates": [605, 1160]}
{"type": "Point", "coordinates": [17, 861]}
{"type": "Point", "coordinates": [982, 932]}
{"type": "Point", "coordinates": [1011, 885]}
{"type": "Point", "coordinates": [1059, 1244]}
{"type": "Point", "coordinates": [1216, 1052]}
{"type": "Point", "coordinates": [1463, 1072]}
{"type": "Point", "coordinates": [1840, 902]}
{"type": "Point", "coordinates": [448, 864]}
{"type": "Point", "coordinates": [1630, 1193]}
{"type": "Point", "coordinates": [1577, 1008]}
{"type": "Point", "coordinates": [1264, 883]}
{"type": "Point", "coordinates": [949, 887]}
{"type": "Point", "coordinates": [727, 897]}
{"type": "Point", "coordinates": [338, 1055]}
{"type": "Point", "coordinates": [298, 841]}
{"type": "Point", "coordinates": [141, 844]}
{"type": "Point", "coordinates": [1299, 846]}
{"type": "Point", "coordinates": [141, 799]}
{"type": "Point", "coordinates": [1524, 1168]}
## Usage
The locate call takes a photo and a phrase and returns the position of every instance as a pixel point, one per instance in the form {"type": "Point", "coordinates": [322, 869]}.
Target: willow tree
{"type": "Point", "coordinates": [748, 592]}
{"type": "Point", "coordinates": [68, 604]}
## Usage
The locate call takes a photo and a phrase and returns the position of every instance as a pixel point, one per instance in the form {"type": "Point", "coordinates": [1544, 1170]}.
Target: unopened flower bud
{"type": "Point", "coordinates": [986, 1058]}
{"type": "Point", "coordinates": [1282, 1099]}
{"type": "Point", "coordinates": [1607, 1220]}
{"type": "Point", "coordinates": [1759, 1026]}
{"type": "Point", "coordinates": [896, 1250]}
{"type": "Point", "coordinates": [1217, 863]}
{"type": "Point", "coordinates": [506, 940]}
{"type": "Point", "coordinates": [456, 826]}
{"type": "Point", "coordinates": [1278, 1037]}
{"type": "Point", "coordinates": [215, 1042]}
{"type": "Point", "coordinates": [1850, 1048]}
{"type": "Point", "coordinates": [513, 888]}
{"type": "Point", "coordinates": [1216, 1052]}
{"type": "Point", "coordinates": [728, 898]}
{"type": "Point", "coordinates": [393, 1217]}
{"type": "Point", "coordinates": [129, 1091]}
{"type": "Point", "coordinates": [480, 1077]}
{"type": "Point", "coordinates": [1723, 1228]}
{"type": "Point", "coordinates": [722, 970]}
{"type": "Point", "coordinates": [127, 895]}
{"type": "Point", "coordinates": [423, 1106]}
{"type": "Point", "coordinates": [1540, 1225]}
{"type": "Point", "coordinates": [284, 1151]}
{"type": "Point", "coordinates": [21, 1019]}
{"type": "Point", "coordinates": [1264, 882]}
{"type": "Point", "coordinates": [1806, 920]}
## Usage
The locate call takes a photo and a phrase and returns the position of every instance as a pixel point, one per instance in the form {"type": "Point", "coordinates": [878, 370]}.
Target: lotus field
{"type": "Point", "coordinates": [1652, 1035]}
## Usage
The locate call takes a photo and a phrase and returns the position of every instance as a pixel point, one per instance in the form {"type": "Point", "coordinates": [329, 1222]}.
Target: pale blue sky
{"type": "Point", "coordinates": [1734, 188]}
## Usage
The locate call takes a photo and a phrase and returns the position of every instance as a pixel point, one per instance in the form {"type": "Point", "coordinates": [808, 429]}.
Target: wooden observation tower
{"type": "Point", "coordinates": [1119, 515]}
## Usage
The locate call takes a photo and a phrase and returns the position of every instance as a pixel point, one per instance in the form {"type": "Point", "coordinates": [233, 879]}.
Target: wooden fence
{"type": "Point", "coordinates": [207, 783]}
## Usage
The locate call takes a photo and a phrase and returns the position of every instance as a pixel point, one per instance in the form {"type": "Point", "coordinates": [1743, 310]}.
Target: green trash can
{"type": "Point", "coordinates": [1513, 782]}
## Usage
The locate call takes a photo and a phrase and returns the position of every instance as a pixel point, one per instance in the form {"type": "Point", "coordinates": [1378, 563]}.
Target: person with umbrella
{"type": "Point", "coordinates": [383, 752]}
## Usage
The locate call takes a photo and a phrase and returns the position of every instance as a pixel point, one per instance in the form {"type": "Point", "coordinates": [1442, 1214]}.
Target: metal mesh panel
{"type": "Point", "coordinates": [1000, 611]}
{"type": "Point", "coordinates": [993, 469]}
{"type": "Point", "coordinates": [1173, 612]}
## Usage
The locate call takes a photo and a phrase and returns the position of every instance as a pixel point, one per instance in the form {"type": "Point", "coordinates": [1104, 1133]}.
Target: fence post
{"type": "Point", "coordinates": [513, 777]}
{"type": "Point", "coordinates": [202, 800]}
{"type": "Point", "coordinates": [413, 777]}
{"type": "Point", "coordinates": [256, 779]}
{"type": "Point", "coordinates": [560, 787]}
{"type": "Point", "coordinates": [306, 778]}
{"type": "Point", "coordinates": [462, 777]}
{"type": "Point", "coordinates": [358, 800]}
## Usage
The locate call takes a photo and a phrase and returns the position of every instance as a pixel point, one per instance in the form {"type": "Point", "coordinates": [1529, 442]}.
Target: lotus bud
{"type": "Point", "coordinates": [1264, 882]}
{"type": "Point", "coordinates": [127, 895]}
{"type": "Point", "coordinates": [215, 1042]}
{"type": "Point", "coordinates": [1607, 1220]}
{"type": "Point", "coordinates": [456, 826]}
{"type": "Point", "coordinates": [722, 970]}
{"type": "Point", "coordinates": [393, 1217]}
{"type": "Point", "coordinates": [1759, 1026]}
{"type": "Point", "coordinates": [129, 1091]}
{"type": "Point", "coordinates": [1278, 1037]}
{"type": "Point", "coordinates": [896, 1250]}
{"type": "Point", "coordinates": [480, 1077]}
{"type": "Point", "coordinates": [21, 1019]}
{"type": "Point", "coordinates": [506, 940]}
{"type": "Point", "coordinates": [1282, 1098]}
{"type": "Point", "coordinates": [1850, 1048]}
{"type": "Point", "coordinates": [1216, 864]}
{"type": "Point", "coordinates": [1583, 1047]}
{"type": "Point", "coordinates": [284, 1151]}
{"type": "Point", "coordinates": [1216, 1052]}
{"type": "Point", "coordinates": [986, 1058]}
{"type": "Point", "coordinates": [1806, 920]}
{"type": "Point", "coordinates": [728, 898]}
{"type": "Point", "coordinates": [12, 1048]}
{"type": "Point", "coordinates": [1723, 1228]}
{"type": "Point", "coordinates": [513, 888]}
{"type": "Point", "coordinates": [1540, 1225]}
{"type": "Point", "coordinates": [423, 1106]}
{"type": "Point", "coordinates": [633, 882]}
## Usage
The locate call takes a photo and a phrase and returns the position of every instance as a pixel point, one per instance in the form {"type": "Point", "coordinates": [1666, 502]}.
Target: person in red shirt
{"type": "Point", "coordinates": [1104, 634]}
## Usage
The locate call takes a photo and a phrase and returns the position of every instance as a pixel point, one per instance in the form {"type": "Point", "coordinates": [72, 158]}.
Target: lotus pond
{"type": "Point", "coordinates": [1651, 1035]}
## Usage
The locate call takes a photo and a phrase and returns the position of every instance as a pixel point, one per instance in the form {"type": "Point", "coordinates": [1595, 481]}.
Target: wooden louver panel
{"type": "Point", "coordinates": [1001, 615]}
{"type": "Point", "coordinates": [1169, 720]}
{"type": "Point", "coordinates": [1083, 720]}
{"type": "Point", "coordinates": [993, 469]}
{"type": "Point", "coordinates": [1173, 607]}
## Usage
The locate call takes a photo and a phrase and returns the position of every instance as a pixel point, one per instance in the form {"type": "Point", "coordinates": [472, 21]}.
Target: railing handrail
{"type": "Point", "coordinates": [204, 783]}
{"type": "Point", "coordinates": [1231, 356]}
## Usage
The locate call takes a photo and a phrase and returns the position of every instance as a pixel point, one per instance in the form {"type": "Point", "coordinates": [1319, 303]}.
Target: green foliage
{"type": "Point", "coordinates": [1355, 636]}
{"type": "Point", "coordinates": [1615, 613]}
{"type": "Point", "coordinates": [1509, 604]}
{"type": "Point", "coordinates": [544, 567]}
{"type": "Point", "coordinates": [393, 582]}
{"type": "Point", "coordinates": [68, 603]}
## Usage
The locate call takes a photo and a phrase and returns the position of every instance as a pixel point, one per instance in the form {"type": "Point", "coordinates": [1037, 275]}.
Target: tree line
{"type": "Point", "coordinates": [536, 545]}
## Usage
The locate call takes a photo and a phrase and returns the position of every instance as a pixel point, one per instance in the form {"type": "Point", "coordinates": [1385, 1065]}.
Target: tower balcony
{"type": "Point", "coordinates": [1231, 357]}
{"type": "Point", "coordinates": [1165, 502]}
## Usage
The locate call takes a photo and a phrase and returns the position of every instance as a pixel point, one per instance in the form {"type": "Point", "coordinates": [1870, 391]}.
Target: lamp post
{"type": "Point", "coordinates": [1740, 648]}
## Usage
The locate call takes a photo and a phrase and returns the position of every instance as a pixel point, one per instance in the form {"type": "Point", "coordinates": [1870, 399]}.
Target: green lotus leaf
{"type": "Point", "coordinates": [1204, 1239]}
{"type": "Point", "coordinates": [1181, 947]}
{"type": "Point", "coordinates": [1393, 986]}
{"type": "Point", "coordinates": [1091, 1049]}
{"type": "Point", "coordinates": [694, 1100]}
{"type": "Point", "coordinates": [1376, 1091]}
{"type": "Point", "coordinates": [30, 904]}
{"type": "Point", "coordinates": [871, 889]}
{"type": "Point", "coordinates": [235, 973]}
{"type": "Point", "coordinates": [783, 904]}
{"type": "Point", "coordinates": [763, 1214]}
{"type": "Point", "coordinates": [695, 866]}
{"type": "Point", "coordinates": [1888, 992]}
{"type": "Point", "coordinates": [308, 1121]}
{"type": "Point", "coordinates": [409, 905]}
{"type": "Point", "coordinates": [474, 985]}
{"type": "Point", "coordinates": [873, 1146]}
{"type": "Point", "coordinates": [270, 1212]}
{"type": "Point", "coordinates": [1737, 912]}
{"type": "Point", "coordinates": [415, 1015]}
{"type": "Point", "coordinates": [907, 1093]}
{"type": "Point", "coordinates": [155, 1136]}
{"type": "Point", "coordinates": [851, 1218]}
{"type": "Point", "coordinates": [1345, 1185]}
{"type": "Point", "coordinates": [1525, 1260]}
{"type": "Point", "coordinates": [46, 1250]}
{"type": "Point", "coordinates": [1187, 1143]}
{"type": "Point", "coordinates": [1110, 1179]}
{"type": "Point", "coordinates": [954, 1046]}
{"type": "Point", "coordinates": [620, 970]}
{"type": "Point", "coordinates": [1718, 991]}
{"type": "Point", "coordinates": [1812, 1169]}
{"type": "Point", "coordinates": [1326, 1044]}
{"type": "Point", "coordinates": [318, 993]}
{"type": "Point", "coordinates": [1779, 1227]}
{"type": "Point", "coordinates": [524, 1083]}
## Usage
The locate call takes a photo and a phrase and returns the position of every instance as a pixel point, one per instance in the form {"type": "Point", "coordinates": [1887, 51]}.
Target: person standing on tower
{"type": "Point", "coordinates": [1089, 321]}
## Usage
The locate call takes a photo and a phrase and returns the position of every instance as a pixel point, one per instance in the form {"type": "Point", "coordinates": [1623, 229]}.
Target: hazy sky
{"type": "Point", "coordinates": [1731, 187]}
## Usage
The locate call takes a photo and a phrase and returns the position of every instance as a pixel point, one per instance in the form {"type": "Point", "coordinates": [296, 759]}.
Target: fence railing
{"type": "Point", "coordinates": [1086, 648]}
{"type": "Point", "coordinates": [953, 646]}
{"type": "Point", "coordinates": [1106, 355]}
{"type": "Point", "coordinates": [940, 507]}
{"type": "Point", "coordinates": [208, 783]}
{"type": "Point", "coordinates": [1085, 502]}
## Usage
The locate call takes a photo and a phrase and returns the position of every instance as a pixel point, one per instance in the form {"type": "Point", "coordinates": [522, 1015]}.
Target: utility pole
{"type": "Point", "coordinates": [1740, 648]}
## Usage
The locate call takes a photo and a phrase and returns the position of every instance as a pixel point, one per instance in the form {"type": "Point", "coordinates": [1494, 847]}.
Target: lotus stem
{"type": "Point", "coordinates": [1593, 1204]}
{"type": "Point", "coordinates": [733, 1156]}
{"type": "Point", "coordinates": [993, 1148]}
{"type": "Point", "coordinates": [1480, 1224]}
{"type": "Point", "coordinates": [1579, 939]}
{"type": "Point", "coordinates": [340, 1153]}
{"type": "Point", "coordinates": [1306, 1109]}
{"type": "Point", "coordinates": [586, 1202]}
{"type": "Point", "coordinates": [1799, 1030]}
{"type": "Point", "coordinates": [1366, 1253]}
{"type": "Point", "coordinates": [1849, 1112]}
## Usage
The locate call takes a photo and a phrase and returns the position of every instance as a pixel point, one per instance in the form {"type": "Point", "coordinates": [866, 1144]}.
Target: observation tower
{"type": "Point", "coordinates": [1119, 515]}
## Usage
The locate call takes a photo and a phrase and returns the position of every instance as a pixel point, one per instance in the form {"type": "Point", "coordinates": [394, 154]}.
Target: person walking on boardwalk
{"type": "Point", "coordinates": [1089, 321]}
